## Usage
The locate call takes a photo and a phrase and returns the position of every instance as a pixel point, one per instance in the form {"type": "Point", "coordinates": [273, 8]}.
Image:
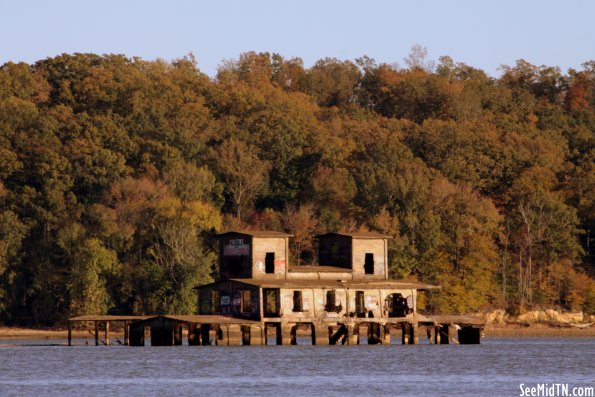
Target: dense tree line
{"type": "Point", "coordinates": [116, 173]}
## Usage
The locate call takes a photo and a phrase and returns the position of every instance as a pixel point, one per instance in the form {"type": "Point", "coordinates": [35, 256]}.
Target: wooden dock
{"type": "Point", "coordinates": [167, 330]}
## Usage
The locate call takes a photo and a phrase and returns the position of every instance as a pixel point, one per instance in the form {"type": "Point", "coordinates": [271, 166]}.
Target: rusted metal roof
{"type": "Point", "coordinates": [359, 235]}
{"type": "Point", "coordinates": [330, 284]}
{"type": "Point", "coordinates": [256, 233]}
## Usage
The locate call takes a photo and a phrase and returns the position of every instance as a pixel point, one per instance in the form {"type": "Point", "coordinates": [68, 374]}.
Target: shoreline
{"type": "Point", "coordinates": [514, 330]}
{"type": "Point", "coordinates": [536, 330]}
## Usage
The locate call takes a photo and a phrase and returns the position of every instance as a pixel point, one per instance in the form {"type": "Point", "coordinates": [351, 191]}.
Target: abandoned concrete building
{"type": "Point", "coordinates": [260, 298]}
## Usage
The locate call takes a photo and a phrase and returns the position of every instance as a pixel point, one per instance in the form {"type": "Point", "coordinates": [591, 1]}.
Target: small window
{"type": "Point", "coordinates": [271, 302]}
{"type": "Point", "coordinates": [297, 301]}
{"type": "Point", "coordinates": [360, 307]}
{"type": "Point", "coordinates": [246, 301]}
{"type": "Point", "coordinates": [330, 301]}
{"type": "Point", "coordinates": [269, 262]}
{"type": "Point", "coordinates": [215, 302]}
{"type": "Point", "coordinates": [369, 264]}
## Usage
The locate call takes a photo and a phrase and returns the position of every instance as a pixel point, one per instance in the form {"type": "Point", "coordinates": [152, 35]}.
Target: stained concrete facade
{"type": "Point", "coordinates": [345, 299]}
{"type": "Point", "coordinates": [364, 254]}
{"type": "Point", "coordinates": [350, 282]}
{"type": "Point", "coordinates": [257, 255]}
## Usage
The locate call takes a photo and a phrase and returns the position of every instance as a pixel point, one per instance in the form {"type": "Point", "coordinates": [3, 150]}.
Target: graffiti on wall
{"type": "Point", "coordinates": [236, 248]}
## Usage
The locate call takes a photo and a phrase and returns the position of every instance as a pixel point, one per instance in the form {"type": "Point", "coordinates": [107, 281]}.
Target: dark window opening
{"type": "Point", "coordinates": [297, 301]}
{"type": "Point", "coordinates": [369, 264]}
{"type": "Point", "coordinates": [215, 302]}
{"type": "Point", "coordinates": [398, 306]}
{"type": "Point", "coordinates": [233, 267]}
{"type": "Point", "coordinates": [331, 303]}
{"type": "Point", "coordinates": [246, 301]}
{"type": "Point", "coordinates": [360, 307]}
{"type": "Point", "coordinates": [269, 262]}
{"type": "Point", "coordinates": [271, 302]}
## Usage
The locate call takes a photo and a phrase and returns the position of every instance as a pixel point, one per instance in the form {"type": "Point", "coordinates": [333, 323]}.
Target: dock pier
{"type": "Point", "coordinates": [346, 298]}
{"type": "Point", "coordinates": [216, 330]}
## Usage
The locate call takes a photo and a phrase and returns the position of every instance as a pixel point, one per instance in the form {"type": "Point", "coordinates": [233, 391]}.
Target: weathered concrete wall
{"type": "Point", "coordinates": [319, 276]}
{"type": "Point", "coordinates": [361, 247]}
{"type": "Point", "coordinates": [260, 247]}
{"type": "Point", "coordinates": [314, 303]}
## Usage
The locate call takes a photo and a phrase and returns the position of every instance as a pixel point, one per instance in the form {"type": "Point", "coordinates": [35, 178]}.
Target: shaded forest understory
{"type": "Point", "coordinates": [116, 173]}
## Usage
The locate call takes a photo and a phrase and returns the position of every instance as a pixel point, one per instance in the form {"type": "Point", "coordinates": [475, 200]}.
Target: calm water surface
{"type": "Point", "coordinates": [494, 368]}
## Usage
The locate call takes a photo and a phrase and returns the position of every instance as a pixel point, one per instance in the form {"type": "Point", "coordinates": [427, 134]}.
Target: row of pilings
{"type": "Point", "coordinates": [167, 332]}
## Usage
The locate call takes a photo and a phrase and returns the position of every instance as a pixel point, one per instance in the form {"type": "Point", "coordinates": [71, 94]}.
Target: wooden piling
{"type": "Point", "coordinates": [69, 333]}
{"type": "Point", "coordinates": [126, 333]}
{"type": "Point", "coordinates": [107, 333]}
{"type": "Point", "coordinates": [437, 336]}
{"type": "Point", "coordinates": [96, 333]}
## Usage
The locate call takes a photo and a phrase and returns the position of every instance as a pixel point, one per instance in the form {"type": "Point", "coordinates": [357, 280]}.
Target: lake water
{"type": "Point", "coordinates": [495, 368]}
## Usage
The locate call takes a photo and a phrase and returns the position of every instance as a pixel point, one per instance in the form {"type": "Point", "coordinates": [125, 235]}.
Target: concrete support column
{"type": "Point", "coordinates": [107, 333]}
{"type": "Point", "coordinates": [374, 336]}
{"type": "Point", "coordinates": [414, 338]}
{"type": "Point", "coordinates": [406, 332]}
{"type": "Point", "coordinates": [257, 335]}
{"type": "Point", "coordinates": [321, 334]}
{"type": "Point", "coordinates": [217, 335]}
{"type": "Point", "coordinates": [96, 333]}
{"type": "Point", "coordinates": [385, 334]}
{"type": "Point", "coordinates": [288, 334]}
{"type": "Point", "coordinates": [437, 336]}
{"type": "Point", "coordinates": [223, 335]}
{"type": "Point", "coordinates": [352, 335]}
{"type": "Point", "coordinates": [235, 334]}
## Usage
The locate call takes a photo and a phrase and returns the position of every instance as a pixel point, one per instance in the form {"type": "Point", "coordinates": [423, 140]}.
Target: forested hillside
{"type": "Point", "coordinates": [116, 173]}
